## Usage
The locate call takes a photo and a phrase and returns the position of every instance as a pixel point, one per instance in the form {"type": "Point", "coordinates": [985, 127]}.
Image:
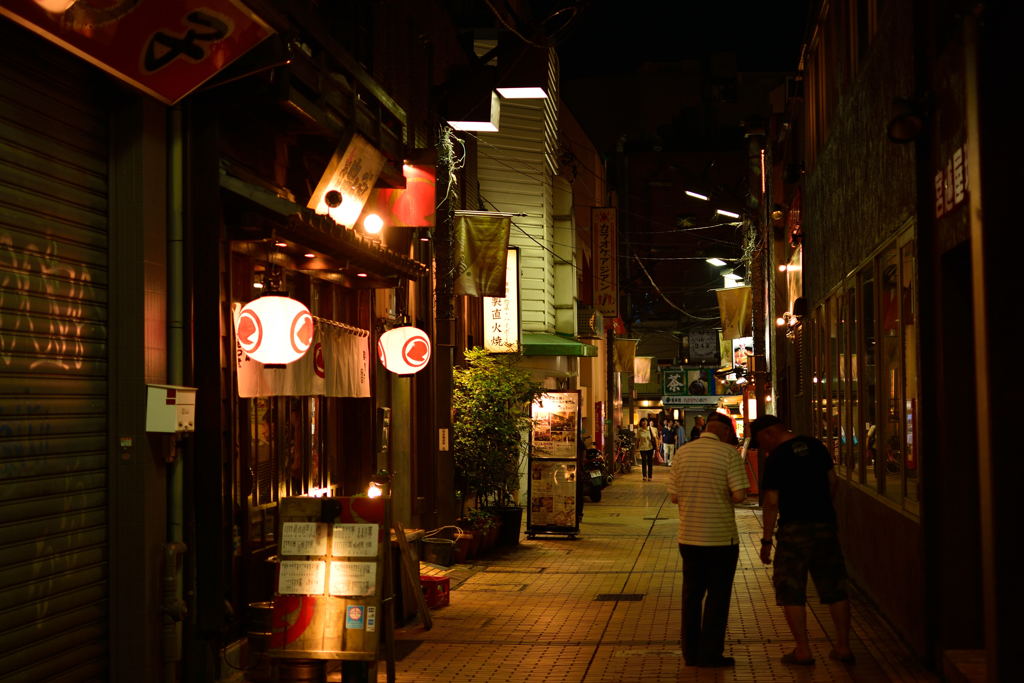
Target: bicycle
{"type": "Point", "coordinates": [625, 443]}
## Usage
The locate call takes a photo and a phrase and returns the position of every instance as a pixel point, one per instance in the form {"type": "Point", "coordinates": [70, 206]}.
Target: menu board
{"type": "Point", "coordinates": [555, 506]}
{"type": "Point", "coordinates": [354, 540]}
{"type": "Point", "coordinates": [553, 493]}
{"type": "Point", "coordinates": [303, 538]}
{"type": "Point", "coordinates": [331, 578]}
{"type": "Point", "coordinates": [556, 417]}
{"type": "Point", "coordinates": [301, 577]}
{"type": "Point", "coordinates": [353, 578]}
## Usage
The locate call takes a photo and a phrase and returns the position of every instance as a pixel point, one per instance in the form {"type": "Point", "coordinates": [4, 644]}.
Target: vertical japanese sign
{"type": "Point", "coordinates": [501, 314]}
{"type": "Point", "coordinates": [606, 285]}
{"type": "Point", "coordinates": [352, 173]}
{"type": "Point", "coordinates": [165, 48]}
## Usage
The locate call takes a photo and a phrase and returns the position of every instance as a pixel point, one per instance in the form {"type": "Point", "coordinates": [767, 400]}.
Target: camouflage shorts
{"type": "Point", "coordinates": [804, 548]}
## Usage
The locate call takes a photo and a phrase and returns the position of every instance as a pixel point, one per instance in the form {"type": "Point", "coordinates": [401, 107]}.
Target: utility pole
{"type": "Point", "coordinates": [444, 358]}
{"type": "Point", "coordinates": [759, 219]}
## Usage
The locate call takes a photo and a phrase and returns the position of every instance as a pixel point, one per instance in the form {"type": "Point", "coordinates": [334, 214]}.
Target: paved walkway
{"type": "Point", "coordinates": [531, 614]}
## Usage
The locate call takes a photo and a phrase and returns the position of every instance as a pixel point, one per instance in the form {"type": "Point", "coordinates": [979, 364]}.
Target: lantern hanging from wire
{"type": "Point", "coordinates": [275, 330]}
{"type": "Point", "coordinates": [404, 350]}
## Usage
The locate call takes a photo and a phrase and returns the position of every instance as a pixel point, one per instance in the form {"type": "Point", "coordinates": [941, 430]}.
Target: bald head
{"type": "Point", "coordinates": [721, 429]}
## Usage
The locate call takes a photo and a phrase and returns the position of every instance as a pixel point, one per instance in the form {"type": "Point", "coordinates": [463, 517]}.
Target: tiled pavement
{"type": "Point", "coordinates": [530, 613]}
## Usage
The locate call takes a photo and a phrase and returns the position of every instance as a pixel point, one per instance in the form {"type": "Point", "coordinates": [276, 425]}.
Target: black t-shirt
{"type": "Point", "coordinates": [798, 470]}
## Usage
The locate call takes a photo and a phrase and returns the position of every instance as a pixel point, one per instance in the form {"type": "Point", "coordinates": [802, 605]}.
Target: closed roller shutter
{"type": "Point", "coordinates": [53, 364]}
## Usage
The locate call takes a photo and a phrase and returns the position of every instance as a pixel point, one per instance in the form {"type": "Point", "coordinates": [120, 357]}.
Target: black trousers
{"type": "Point", "coordinates": [708, 572]}
{"type": "Point", "coordinates": [647, 463]}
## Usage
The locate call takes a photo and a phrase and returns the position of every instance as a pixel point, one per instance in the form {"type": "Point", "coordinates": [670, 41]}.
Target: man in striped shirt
{"type": "Point", "coordinates": [707, 477]}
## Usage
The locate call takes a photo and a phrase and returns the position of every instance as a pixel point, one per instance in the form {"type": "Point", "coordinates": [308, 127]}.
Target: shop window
{"type": "Point", "coordinates": [834, 405]}
{"type": "Point", "coordinates": [908, 317]}
{"type": "Point", "coordinates": [843, 383]}
{"type": "Point", "coordinates": [890, 428]}
{"type": "Point", "coordinates": [854, 418]}
{"type": "Point", "coordinates": [868, 399]}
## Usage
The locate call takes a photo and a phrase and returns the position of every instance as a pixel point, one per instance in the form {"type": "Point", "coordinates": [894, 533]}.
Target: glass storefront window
{"type": "Point", "coordinates": [866, 280]}
{"type": "Point", "coordinates": [890, 428]}
{"type": "Point", "coordinates": [842, 359]}
{"type": "Point", "coordinates": [834, 404]}
{"type": "Point", "coordinates": [856, 431]}
{"type": "Point", "coordinates": [908, 303]}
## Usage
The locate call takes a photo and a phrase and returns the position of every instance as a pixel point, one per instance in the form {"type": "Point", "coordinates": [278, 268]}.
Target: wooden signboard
{"type": "Point", "coordinates": [333, 572]}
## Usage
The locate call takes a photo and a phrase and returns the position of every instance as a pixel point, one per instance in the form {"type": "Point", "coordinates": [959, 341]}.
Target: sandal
{"type": "Point", "coordinates": [791, 658]}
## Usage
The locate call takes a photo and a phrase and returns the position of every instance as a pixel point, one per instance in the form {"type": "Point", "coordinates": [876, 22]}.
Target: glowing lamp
{"type": "Point", "coordinates": [404, 350]}
{"type": "Point", "coordinates": [275, 330]}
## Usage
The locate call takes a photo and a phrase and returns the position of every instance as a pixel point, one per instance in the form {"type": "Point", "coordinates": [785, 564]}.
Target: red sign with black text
{"type": "Point", "coordinates": [165, 48]}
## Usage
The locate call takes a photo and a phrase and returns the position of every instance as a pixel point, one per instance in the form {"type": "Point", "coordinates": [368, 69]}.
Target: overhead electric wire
{"type": "Point", "coordinates": [666, 299]}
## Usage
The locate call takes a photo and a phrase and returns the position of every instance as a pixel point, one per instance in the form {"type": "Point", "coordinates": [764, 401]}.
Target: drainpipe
{"type": "Point", "coordinates": [172, 593]}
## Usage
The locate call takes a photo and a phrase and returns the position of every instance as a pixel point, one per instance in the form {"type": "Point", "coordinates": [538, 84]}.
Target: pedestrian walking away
{"type": "Point", "coordinates": [646, 442]}
{"type": "Point", "coordinates": [668, 440]}
{"type": "Point", "coordinates": [799, 483]}
{"type": "Point", "coordinates": [698, 427]}
{"type": "Point", "coordinates": [706, 479]}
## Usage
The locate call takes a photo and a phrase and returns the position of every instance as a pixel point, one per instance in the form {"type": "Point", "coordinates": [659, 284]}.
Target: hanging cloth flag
{"type": "Point", "coordinates": [642, 369]}
{"type": "Point", "coordinates": [624, 354]}
{"type": "Point", "coordinates": [734, 307]}
{"type": "Point", "coordinates": [481, 243]}
{"type": "Point", "coordinates": [347, 370]}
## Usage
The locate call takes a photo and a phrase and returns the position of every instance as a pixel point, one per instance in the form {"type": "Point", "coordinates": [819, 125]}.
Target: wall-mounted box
{"type": "Point", "coordinates": [170, 409]}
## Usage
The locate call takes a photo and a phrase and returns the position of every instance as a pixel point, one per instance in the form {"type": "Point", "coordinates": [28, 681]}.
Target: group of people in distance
{"type": "Point", "coordinates": [706, 479]}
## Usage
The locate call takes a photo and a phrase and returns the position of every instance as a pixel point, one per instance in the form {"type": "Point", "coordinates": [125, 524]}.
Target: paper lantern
{"type": "Point", "coordinates": [274, 330]}
{"type": "Point", "coordinates": [404, 350]}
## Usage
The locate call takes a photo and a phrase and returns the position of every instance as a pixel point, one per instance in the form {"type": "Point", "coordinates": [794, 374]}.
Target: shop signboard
{"type": "Point", "coordinates": [330, 578]}
{"type": "Point", "coordinates": [555, 505]}
{"type": "Point", "coordinates": [165, 48]}
{"type": "Point", "coordinates": [501, 314]}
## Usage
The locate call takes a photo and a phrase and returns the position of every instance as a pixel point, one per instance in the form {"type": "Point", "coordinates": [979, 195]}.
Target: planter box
{"type": "Point", "coordinates": [438, 551]}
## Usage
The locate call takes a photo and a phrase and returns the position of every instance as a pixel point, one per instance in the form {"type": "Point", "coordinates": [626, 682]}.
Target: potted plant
{"type": "Point", "coordinates": [491, 417]}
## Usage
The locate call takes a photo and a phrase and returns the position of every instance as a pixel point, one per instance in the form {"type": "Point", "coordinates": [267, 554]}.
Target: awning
{"type": "Point", "coordinates": [540, 344]}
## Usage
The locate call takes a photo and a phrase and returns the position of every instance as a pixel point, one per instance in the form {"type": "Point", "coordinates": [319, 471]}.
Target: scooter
{"type": "Point", "coordinates": [595, 476]}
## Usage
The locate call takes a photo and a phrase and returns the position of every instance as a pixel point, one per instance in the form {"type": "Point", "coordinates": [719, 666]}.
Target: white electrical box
{"type": "Point", "coordinates": [170, 409]}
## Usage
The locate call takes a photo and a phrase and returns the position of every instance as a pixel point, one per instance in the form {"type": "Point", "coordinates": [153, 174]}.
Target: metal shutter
{"type": "Point", "coordinates": [53, 363]}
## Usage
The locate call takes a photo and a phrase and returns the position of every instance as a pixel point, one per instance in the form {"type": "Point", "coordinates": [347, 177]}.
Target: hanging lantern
{"type": "Point", "coordinates": [274, 330]}
{"type": "Point", "coordinates": [404, 350]}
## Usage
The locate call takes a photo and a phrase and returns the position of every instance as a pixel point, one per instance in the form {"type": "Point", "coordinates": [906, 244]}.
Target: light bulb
{"type": "Point", "coordinates": [373, 224]}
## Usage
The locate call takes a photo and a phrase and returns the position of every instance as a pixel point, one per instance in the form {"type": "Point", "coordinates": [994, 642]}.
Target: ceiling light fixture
{"type": "Point", "coordinates": [697, 195]}
{"type": "Point", "coordinates": [728, 214]}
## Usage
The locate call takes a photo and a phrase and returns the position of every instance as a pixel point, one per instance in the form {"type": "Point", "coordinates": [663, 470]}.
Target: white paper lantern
{"type": "Point", "coordinates": [404, 350]}
{"type": "Point", "coordinates": [274, 330]}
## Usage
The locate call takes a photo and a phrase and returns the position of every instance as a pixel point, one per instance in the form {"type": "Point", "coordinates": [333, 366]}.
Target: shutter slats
{"type": "Point", "coordinates": [53, 363]}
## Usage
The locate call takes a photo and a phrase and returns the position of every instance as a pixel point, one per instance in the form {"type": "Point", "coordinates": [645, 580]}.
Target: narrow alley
{"type": "Point", "coordinates": [605, 609]}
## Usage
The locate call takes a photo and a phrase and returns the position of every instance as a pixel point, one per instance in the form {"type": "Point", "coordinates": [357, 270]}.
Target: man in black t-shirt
{"type": "Point", "coordinates": [798, 484]}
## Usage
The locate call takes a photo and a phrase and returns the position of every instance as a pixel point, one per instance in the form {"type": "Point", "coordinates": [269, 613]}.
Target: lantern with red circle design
{"type": "Point", "coordinates": [404, 350]}
{"type": "Point", "coordinates": [274, 330]}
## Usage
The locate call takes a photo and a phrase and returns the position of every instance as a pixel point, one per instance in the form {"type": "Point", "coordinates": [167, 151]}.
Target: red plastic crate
{"type": "Point", "coordinates": [436, 590]}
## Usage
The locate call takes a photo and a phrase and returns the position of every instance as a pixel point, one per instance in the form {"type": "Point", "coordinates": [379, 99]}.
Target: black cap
{"type": "Point", "coordinates": [760, 424]}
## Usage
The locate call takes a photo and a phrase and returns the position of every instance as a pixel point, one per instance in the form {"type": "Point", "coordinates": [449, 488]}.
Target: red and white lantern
{"type": "Point", "coordinates": [404, 350]}
{"type": "Point", "coordinates": [274, 330]}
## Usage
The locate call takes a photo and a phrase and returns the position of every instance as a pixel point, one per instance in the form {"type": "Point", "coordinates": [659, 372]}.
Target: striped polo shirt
{"type": "Point", "coordinates": [703, 474]}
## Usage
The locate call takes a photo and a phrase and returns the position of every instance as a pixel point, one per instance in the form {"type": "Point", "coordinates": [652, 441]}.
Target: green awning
{"type": "Point", "coordinates": [540, 344]}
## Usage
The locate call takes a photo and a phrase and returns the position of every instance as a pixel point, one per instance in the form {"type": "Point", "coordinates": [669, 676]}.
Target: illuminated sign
{"type": "Point", "coordinates": [501, 314]}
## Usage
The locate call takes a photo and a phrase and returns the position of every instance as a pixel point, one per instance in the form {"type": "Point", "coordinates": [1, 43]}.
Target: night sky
{"type": "Point", "coordinates": [609, 37]}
